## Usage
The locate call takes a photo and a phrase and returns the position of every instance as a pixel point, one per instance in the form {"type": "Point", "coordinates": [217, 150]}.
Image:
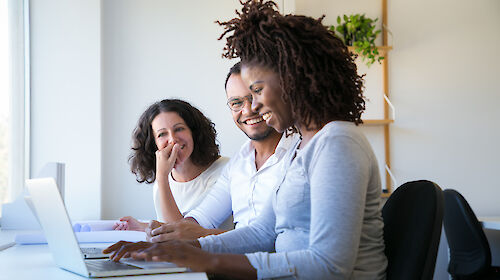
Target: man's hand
{"type": "Point", "coordinates": [130, 223]}
{"type": "Point", "coordinates": [152, 225]}
{"type": "Point", "coordinates": [181, 230]}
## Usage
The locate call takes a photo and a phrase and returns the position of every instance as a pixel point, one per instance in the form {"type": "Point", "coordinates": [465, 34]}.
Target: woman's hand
{"type": "Point", "coordinates": [183, 254]}
{"type": "Point", "coordinates": [188, 254]}
{"type": "Point", "coordinates": [130, 223]}
{"type": "Point", "coordinates": [165, 159]}
{"type": "Point", "coordinates": [123, 249]}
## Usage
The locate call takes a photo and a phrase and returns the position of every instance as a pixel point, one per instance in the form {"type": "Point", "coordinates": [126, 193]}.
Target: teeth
{"type": "Point", "coordinates": [254, 121]}
{"type": "Point", "coordinates": [266, 116]}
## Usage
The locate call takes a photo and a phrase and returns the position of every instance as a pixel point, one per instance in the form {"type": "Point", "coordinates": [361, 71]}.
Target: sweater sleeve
{"type": "Point", "coordinates": [257, 236]}
{"type": "Point", "coordinates": [337, 171]}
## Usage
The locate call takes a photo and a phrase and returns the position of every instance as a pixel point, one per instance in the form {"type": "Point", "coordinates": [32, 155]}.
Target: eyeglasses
{"type": "Point", "coordinates": [236, 104]}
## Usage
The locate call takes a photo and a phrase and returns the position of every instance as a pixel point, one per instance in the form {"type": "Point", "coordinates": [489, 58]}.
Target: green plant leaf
{"type": "Point", "coordinates": [359, 31]}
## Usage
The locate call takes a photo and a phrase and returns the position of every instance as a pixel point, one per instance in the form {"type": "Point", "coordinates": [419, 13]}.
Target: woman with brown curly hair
{"type": "Point", "coordinates": [324, 220]}
{"type": "Point", "coordinates": [174, 145]}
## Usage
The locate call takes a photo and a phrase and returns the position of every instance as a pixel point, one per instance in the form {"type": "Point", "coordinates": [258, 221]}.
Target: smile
{"type": "Point", "coordinates": [254, 120]}
{"type": "Point", "coordinates": [267, 115]}
{"type": "Point", "coordinates": [181, 146]}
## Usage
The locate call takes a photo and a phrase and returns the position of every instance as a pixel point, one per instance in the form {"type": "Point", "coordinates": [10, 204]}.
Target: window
{"type": "Point", "coordinates": [13, 98]}
{"type": "Point", "coordinates": [4, 102]}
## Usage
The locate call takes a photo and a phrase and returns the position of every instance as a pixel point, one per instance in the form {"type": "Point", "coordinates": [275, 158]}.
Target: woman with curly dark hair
{"type": "Point", "coordinates": [174, 145]}
{"type": "Point", "coordinates": [324, 220]}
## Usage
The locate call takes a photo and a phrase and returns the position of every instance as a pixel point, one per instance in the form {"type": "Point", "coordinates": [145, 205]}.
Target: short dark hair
{"type": "Point", "coordinates": [318, 76]}
{"type": "Point", "coordinates": [236, 69]}
{"type": "Point", "coordinates": [143, 159]}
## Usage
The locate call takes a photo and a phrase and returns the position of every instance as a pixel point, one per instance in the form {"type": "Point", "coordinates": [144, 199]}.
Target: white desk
{"type": "Point", "coordinates": [35, 262]}
{"type": "Point", "coordinates": [490, 222]}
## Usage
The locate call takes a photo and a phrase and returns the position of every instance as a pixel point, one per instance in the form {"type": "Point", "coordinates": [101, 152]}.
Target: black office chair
{"type": "Point", "coordinates": [413, 216]}
{"type": "Point", "coordinates": [470, 255]}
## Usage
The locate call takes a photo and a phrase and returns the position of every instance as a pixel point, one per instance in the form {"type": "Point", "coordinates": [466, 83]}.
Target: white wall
{"type": "Point", "coordinates": [154, 50]}
{"type": "Point", "coordinates": [65, 97]}
{"type": "Point", "coordinates": [142, 51]}
{"type": "Point", "coordinates": [443, 81]}
{"type": "Point", "coordinates": [444, 72]}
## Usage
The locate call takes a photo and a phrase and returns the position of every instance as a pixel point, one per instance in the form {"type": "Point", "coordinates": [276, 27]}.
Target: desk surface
{"type": "Point", "coordinates": [490, 222]}
{"type": "Point", "coordinates": [36, 262]}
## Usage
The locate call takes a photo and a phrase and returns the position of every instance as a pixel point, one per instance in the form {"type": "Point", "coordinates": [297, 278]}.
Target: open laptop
{"type": "Point", "coordinates": [62, 242]}
{"type": "Point", "coordinates": [93, 253]}
{"type": "Point", "coordinates": [88, 252]}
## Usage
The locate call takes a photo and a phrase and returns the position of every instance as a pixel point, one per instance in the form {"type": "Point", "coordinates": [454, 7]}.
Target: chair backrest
{"type": "Point", "coordinates": [413, 217]}
{"type": "Point", "coordinates": [470, 254]}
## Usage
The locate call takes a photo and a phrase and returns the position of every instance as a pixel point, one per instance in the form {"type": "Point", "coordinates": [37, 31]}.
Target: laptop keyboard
{"type": "Point", "coordinates": [91, 250]}
{"type": "Point", "coordinates": [107, 265]}
{"type": "Point", "coordinates": [93, 253]}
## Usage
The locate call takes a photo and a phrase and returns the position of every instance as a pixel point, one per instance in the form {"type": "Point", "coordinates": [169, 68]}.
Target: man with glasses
{"type": "Point", "coordinates": [247, 180]}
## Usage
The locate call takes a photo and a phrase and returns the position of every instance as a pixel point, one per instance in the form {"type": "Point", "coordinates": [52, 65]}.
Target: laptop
{"type": "Point", "coordinates": [94, 253]}
{"type": "Point", "coordinates": [62, 241]}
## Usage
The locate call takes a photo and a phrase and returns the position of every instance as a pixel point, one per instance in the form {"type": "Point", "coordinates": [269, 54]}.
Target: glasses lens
{"type": "Point", "coordinates": [235, 104]}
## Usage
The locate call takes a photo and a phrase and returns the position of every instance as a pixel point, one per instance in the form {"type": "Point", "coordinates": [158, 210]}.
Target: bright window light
{"type": "Point", "coordinates": [5, 92]}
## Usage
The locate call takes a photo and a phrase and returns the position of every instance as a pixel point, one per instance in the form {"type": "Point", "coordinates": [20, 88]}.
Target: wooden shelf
{"type": "Point", "coordinates": [389, 111]}
{"type": "Point", "coordinates": [378, 122]}
{"type": "Point", "coordinates": [381, 49]}
{"type": "Point", "coordinates": [386, 195]}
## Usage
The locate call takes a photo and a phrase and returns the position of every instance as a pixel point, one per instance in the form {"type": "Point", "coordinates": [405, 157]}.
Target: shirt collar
{"type": "Point", "coordinates": [286, 143]}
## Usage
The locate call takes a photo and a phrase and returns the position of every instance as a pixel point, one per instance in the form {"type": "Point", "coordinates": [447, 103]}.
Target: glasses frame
{"type": "Point", "coordinates": [247, 98]}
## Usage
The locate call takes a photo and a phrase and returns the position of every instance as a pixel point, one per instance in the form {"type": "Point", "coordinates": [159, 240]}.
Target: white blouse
{"type": "Point", "coordinates": [188, 195]}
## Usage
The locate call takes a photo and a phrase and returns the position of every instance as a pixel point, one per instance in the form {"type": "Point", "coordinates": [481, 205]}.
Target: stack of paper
{"type": "Point", "coordinates": [98, 225]}
{"type": "Point", "coordinates": [89, 232]}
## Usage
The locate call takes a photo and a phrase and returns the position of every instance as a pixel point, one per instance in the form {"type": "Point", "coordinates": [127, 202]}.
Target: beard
{"type": "Point", "coordinates": [260, 136]}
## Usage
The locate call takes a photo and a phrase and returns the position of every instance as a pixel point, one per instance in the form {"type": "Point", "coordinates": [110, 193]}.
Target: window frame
{"type": "Point", "coordinates": [20, 96]}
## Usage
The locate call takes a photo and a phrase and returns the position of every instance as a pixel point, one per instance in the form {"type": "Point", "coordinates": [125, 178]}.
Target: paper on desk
{"type": "Point", "coordinates": [108, 236]}
{"type": "Point", "coordinates": [97, 225]}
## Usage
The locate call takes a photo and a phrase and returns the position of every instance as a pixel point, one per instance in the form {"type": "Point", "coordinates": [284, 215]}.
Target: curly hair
{"type": "Point", "coordinates": [143, 159]}
{"type": "Point", "coordinates": [318, 76]}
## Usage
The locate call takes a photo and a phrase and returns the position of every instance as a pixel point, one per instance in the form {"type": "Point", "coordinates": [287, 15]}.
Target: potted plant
{"type": "Point", "coordinates": [359, 31]}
